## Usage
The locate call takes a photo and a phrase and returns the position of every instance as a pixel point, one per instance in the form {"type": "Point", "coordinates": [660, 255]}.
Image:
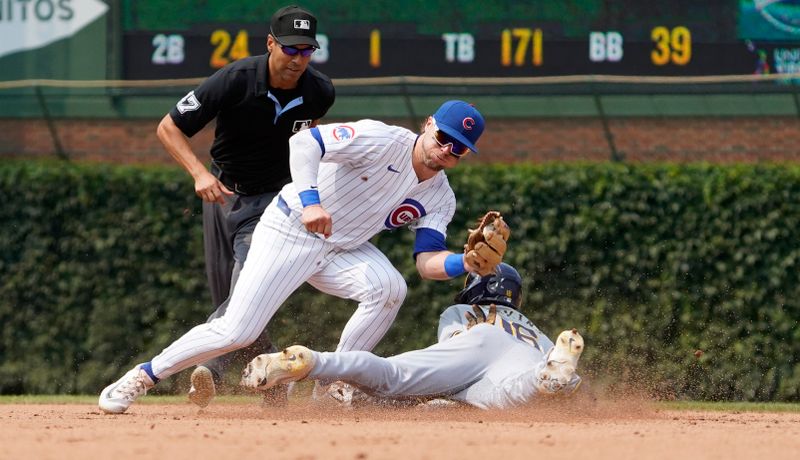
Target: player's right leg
{"type": "Point", "coordinates": [366, 275]}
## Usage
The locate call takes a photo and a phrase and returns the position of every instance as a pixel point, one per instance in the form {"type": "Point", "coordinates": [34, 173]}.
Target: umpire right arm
{"type": "Point", "coordinates": [206, 186]}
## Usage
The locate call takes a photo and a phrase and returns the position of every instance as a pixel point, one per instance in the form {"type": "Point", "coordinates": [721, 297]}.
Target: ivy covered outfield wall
{"type": "Point", "coordinates": [101, 267]}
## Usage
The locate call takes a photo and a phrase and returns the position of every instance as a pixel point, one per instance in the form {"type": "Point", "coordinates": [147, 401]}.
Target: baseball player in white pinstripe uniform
{"type": "Point", "coordinates": [350, 181]}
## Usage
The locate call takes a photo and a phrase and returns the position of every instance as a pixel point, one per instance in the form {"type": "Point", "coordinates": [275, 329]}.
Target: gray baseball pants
{"type": "Point", "coordinates": [227, 233]}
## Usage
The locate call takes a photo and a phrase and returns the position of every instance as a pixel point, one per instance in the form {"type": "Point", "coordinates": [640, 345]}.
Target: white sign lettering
{"type": "Point", "coordinates": [32, 24]}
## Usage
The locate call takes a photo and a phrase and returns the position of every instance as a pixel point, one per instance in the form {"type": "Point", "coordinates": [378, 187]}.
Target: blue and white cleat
{"type": "Point", "coordinates": [117, 397]}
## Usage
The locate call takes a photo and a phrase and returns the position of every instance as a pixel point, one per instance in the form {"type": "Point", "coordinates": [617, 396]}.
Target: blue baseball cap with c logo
{"type": "Point", "coordinates": [461, 121]}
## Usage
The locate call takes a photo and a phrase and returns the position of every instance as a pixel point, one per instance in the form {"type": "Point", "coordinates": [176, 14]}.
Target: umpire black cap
{"type": "Point", "coordinates": [292, 25]}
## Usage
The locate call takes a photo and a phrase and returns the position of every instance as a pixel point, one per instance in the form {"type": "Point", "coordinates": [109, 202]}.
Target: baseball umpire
{"type": "Point", "coordinates": [259, 102]}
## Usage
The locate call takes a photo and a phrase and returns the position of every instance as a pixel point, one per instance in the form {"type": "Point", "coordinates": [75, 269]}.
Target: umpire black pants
{"type": "Point", "coordinates": [227, 233]}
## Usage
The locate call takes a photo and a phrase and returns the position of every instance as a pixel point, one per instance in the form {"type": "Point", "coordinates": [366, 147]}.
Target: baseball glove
{"type": "Point", "coordinates": [486, 244]}
{"type": "Point", "coordinates": [479, 317]}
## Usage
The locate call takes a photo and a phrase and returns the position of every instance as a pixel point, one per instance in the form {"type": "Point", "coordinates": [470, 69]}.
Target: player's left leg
{"type": "Point", "coordinates": [363, 274]}
{"type": "Point", "coordinates": [441, 369]}
{"type": "Point", "coordinates": [283, 256]}
{"type": "Point", "coordinates": [263, 286]}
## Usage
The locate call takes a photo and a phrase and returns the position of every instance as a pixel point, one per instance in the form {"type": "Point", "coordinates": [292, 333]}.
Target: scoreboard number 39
{"type": "Point", "coordinates": [671, 46]}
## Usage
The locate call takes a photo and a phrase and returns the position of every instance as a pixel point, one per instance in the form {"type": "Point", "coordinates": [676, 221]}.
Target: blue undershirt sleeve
{"type": "Point", "coordinates": [428, 240]}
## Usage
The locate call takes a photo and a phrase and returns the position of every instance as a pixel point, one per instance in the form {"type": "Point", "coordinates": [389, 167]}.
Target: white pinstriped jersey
{"type": "Point", "coordinates": [367, 183]}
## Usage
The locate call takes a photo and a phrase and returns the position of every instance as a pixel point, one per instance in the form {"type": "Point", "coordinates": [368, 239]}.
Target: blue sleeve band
{"type": "Point", "coordinates": [309, 197]}
{"type": "Point", "coordinates": [428, 240]}
{"type": "Point", "coordinates": [315, 133]}
{"type": "Point", "coordinates": [148, 368]}
{"type": "Point", "coordinates": [454, 265]}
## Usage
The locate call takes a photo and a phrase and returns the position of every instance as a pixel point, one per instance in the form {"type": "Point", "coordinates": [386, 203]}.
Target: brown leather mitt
{"type": "Point", "coordinates": [486, 244]}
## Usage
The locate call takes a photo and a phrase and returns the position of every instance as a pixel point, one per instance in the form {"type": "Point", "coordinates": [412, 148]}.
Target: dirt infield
{"type": "Point", "coordinates": [600, 430]}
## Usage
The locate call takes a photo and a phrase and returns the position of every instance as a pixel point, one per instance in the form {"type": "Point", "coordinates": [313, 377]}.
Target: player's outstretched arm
{"type": "Point", "coordinates": [483, 251]}
{"type": "Point", "coordinates": [441, 265]}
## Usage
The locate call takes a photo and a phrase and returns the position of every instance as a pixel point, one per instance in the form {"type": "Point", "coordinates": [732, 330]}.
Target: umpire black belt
{"type": "Point", "coordinates": [239, 188]}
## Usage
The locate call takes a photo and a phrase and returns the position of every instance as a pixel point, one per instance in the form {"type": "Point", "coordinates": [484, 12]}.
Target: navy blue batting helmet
{"type": "Point", "coordinates": [503, 287]}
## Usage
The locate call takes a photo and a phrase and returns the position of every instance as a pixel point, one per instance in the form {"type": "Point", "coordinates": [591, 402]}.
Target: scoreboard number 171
{"type": "Point", "coordinates": [524, 38]}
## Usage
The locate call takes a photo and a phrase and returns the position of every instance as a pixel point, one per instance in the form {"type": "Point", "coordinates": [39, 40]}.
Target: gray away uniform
{"type": "Point", "coordinates": [488, 366]}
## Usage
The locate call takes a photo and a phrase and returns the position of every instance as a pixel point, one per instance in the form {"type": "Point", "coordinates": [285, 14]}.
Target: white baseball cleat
{"type": "Point", "coordinates": [117, 397]}
{"type": "Point", "coordinates": [562, 361]}
{"type": "Point", "coordinates": [290, 365]}
{"type": "Point", "coordinates": [203, 389]}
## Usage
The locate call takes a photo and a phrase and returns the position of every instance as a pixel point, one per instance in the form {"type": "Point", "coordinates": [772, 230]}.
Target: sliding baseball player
{"type": "Point", "coordinates": [489, 355]}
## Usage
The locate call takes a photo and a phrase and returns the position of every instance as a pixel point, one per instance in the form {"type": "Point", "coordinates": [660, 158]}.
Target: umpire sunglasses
{"type": "Point", "coordinates": [457, 149]}
{"type": "Point", "coordinates": [293, 51]}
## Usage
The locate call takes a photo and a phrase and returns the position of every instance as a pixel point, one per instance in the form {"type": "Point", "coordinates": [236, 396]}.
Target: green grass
{"type": "Point", "coordinates": [244, 399]}
{"type": "Point", "coordinates": [731, 406]}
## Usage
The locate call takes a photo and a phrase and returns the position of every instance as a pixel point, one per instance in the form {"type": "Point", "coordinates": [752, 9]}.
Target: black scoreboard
{"type": "Point", "coordinates": [523, 47]}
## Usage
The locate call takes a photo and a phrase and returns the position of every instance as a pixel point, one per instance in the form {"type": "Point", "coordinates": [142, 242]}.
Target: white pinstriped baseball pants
{"type": "Point", "coordinates": [283, 256]}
